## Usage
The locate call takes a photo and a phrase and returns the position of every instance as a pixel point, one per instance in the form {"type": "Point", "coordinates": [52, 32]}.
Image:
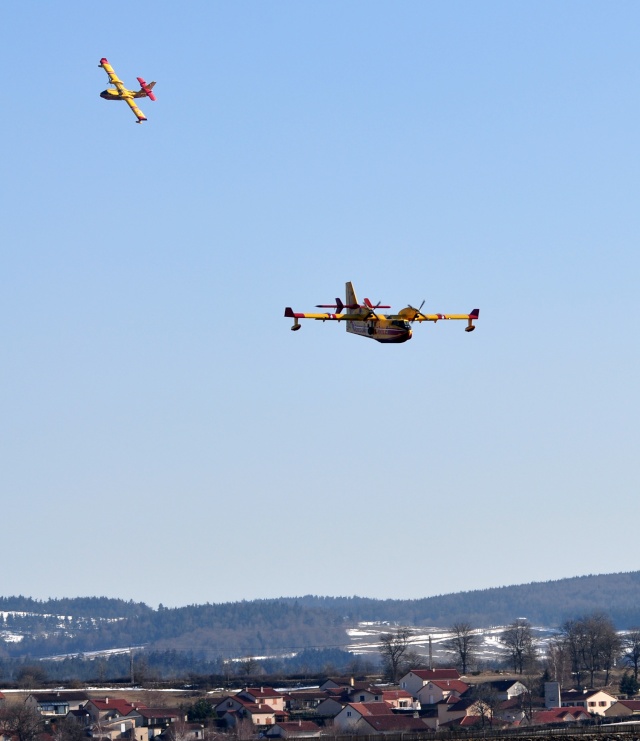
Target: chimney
{"type": "Point", "coordinates": [351, 681]}
{"type": "Point", "coordinates": [106, 700]}
{"type": "Point", "coordinates": [300, 723]}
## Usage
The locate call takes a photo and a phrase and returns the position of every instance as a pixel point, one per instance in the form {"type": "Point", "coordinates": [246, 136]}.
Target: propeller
{"type": "Point", "coordinates": [372, 308]}
{"type": "Point", "coordinates": [418, 312]}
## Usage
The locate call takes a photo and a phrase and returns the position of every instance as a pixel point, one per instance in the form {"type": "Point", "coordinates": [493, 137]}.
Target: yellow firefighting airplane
{"type": "Point", "coordinates": [120, 92]}
{"type": "Point", "coordinates": [362, 319]}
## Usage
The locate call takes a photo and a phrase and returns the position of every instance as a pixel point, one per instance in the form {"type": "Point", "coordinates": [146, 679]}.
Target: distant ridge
{"type": "Point", "coordinates": [36, 628]}
{"type": "Point", "coordinates": [547, 603]}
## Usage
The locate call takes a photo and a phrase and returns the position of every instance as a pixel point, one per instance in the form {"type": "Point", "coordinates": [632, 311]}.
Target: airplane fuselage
{"type": "Point", "coordinates": [383, 330]}
{"type": "Point", "coordinates": [112, 93]}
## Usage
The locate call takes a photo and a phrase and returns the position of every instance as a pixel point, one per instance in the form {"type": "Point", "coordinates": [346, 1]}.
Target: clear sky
{"type": "Point", "coordinates": [165, 437]}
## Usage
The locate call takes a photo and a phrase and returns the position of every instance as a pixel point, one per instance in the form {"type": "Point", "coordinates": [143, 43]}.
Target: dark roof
{"type": "Point", "coordinates": [455, 685]}
{"type": "Point", "coordinates": [298, 725]}
{"type": "Point", "coordinates": [371, 708]}
{"type": "Point", "coordinates": [395, 723]}
{"type": "Point", "coordinates": [261, 692]}
{"type": "Point", "coordinates": [60, 696]}
{"type": "Point", "coordinates": [437, 673]}
{"type": "Point", "coordinates": [502, 685]}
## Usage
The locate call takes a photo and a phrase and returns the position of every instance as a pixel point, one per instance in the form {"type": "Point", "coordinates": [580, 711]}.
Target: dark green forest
{"type": "Point", "coordinates": [202, 638]}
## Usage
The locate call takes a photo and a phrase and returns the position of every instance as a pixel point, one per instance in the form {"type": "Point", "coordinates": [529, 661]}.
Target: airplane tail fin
{"type": "Point", "coordinates": [145, 89]}
{"type": "Point", "coordinates": [351, 302]}
{"type": "Point", "coordinates": [351, 298]}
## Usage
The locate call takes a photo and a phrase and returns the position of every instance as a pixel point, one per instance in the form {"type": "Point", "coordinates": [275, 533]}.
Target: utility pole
{"type": "Point", "coordinates": [131, 663]}
{"type": "Point", "coordinates": [430, 653]}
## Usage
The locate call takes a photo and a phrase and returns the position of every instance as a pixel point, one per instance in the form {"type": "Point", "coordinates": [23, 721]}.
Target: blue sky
{"type": "Point", "coordinates": [166, 438]}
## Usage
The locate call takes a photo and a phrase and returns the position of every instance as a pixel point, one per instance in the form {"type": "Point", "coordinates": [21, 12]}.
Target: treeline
{"type": "Point", "coordinates": [547, 603]}
{"type": "Point", "coordinates": [288, 625]}
{"type": "Point", "coordinates": [232, 629]}
{"type": "Point", "coordinates": [178, 666]}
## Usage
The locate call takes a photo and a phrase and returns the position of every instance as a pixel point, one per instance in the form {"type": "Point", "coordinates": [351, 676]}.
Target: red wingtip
{"type": "Point", "coordinates": [104, 60]}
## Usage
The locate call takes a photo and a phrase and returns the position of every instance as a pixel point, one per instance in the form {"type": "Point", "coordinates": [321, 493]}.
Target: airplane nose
{"type": "Point", "coordinates": [104, 94]}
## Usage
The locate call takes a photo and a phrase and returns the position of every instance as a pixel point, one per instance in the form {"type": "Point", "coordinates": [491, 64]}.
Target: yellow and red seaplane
{"type": "Point", "coordinates": [120, 92]}
{"type": "Point", "coordinates": [364, 319]}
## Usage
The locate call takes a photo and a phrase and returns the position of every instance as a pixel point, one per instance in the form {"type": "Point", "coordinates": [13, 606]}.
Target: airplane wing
{"type": "Point", "coordinates": [438, 317]}
{"type": "Point", "coordinates": [415, 315]}
{"type": "Point", "coordinates": [288, 312]}
{"type": "Point", "coordinates": [113, 78]}
{"type": "Point", "coordinates": [135, 109]}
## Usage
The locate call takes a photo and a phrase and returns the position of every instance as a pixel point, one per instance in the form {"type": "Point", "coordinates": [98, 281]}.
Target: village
{"type": "Point", "coordinates": [424, 701]}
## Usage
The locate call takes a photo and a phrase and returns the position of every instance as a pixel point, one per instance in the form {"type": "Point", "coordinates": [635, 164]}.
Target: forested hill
{"type": "Point", "coordinates": [268, 627]}
{"type": "Point", "coordinates": [547, 603]}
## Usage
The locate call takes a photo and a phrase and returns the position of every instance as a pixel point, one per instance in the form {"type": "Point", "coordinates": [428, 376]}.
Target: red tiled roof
{"type": "Point", "coordinates": [557, 715]}
{"type": "Point", "coordinates": [395, 695]}
{"type": "Point", "coordinates": [122, 706]}
{"type": "Point", "coordinates": [631, 704]}
{"type": "Point", "coordinates": [298, 725]}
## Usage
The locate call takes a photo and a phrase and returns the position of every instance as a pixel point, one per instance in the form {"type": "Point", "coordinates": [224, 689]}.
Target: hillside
{"type": "Point", "coordinates": [31, 628]}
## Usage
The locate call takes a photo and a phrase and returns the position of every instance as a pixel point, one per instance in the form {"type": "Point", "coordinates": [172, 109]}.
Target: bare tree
{"type": "Point", "coordinates": [21, 722]}
{"type": "Point", "coordinates": [593, 645]}
{"type": "Point", "coordinates": [464, 644]}
{"type": "Point", "coordinates": [67, 729]}
{"type": "Point", "coordinates": [518, 640]}
{"type": "Point", "coordinates": [486, 701]}
{"type": "Point", "coordinates": [631, 649]}
{"type": "Point", "coordinates": [394, 649]}
{"type": "Point", "coordinates": [557, 660]}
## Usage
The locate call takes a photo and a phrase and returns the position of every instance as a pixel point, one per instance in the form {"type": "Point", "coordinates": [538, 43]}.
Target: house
{"type": "Point", "coordinates": [622, 708]}
{"type": "Point", "coordinates": [477, 721]}
{"type": "Point", "coordinates": [109, 708]}
{"type": "Point", "coordinates": [331, 706]}
{"type": "Point", "coordinates": [303, 699]}
{"type": "Point", "coordinates": [266, 695]}
{"type": "Point", "coordinates": [335, 683]}
{"type": "Point", "coordinates": [156, 720]}
{"type": "Point", "coordinates": [436, 690]}
{"type": "Point", "coordinates": [257, 713]}
{"type": "Point", "coordinates": [559, 715]}
{"type": "Point", "coordinates": [384, 724]}
{"type": "Point", "coordinates": [56, 703]}
{"type": "Point", "coordinates": [506, 688]}
{"type": "Point", "coordinates": [118, 728]}
{"type": "Point", "coordinates": [413, 680]}
{"type": "Point", "coordinates": [512, 711]}
{"type": "Point", "coordinates": [399, 699]}
{"type": "Point", "coordinates": [347, 719]}
{"type": "Point", "coordinates": [455, 708]}
{"type": "Point", "coordinates": [294, 729]}
{"type": "Point", "coordinates": [231, 702]}
{"type": "Point", "coordinates": [594, 701]}
{"type": "Point", "coordinates": [368, 693]}
{"type": "Point", "coordinates": [182, 731]}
